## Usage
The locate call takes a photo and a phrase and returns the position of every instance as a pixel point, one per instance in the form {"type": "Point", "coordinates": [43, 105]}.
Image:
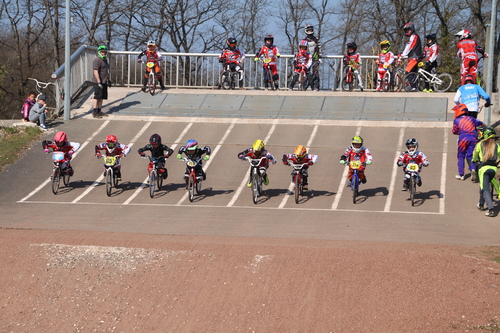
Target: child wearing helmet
{"type": "Point", "coordinates": [465, 127]}
{"type": "Point", "coordinates": [431, 52]}
{"type": "Point", "coordinates": [195, 154]}
{"type": "Point", "coordinates": [412, 50]}
{"type": "Point", "coordinates": [61, 143]}
{"type": "Point", "coordinates": [470, 94]}
{"type": "Point", "coordinates": [314, 48]}
{"type": "Point", "coordinates": [301, 156]}
{"type": "Point", "coordinates": [154, 56]}
{"type": "Point", "coordinates": [302, 61]}
{"type": "Point", "coordinates": [158, 151]}
{"type": "Point", "coordinates": [112, 147]}
{"type": "Point", "coordinates": [486, 154]}
{"type": "Point", "coordinates": [357, 152]}
{"type": "Point", "coordinates": [353, 59]}
{"type": "Point", "coordinates": [384, 61]}
{"type": "Point", "coordinates": [231, 58]}
{"type": "Point", "coordinates": [269, 51]}
{"type": "Point", "coordinates": [468, 52]}
{"type": "Point", "coordinates": [258, 151]}
{"type": "Point", "coordinates": [100, 80]}
{"type": "Point", "coordinates": [412, 155]}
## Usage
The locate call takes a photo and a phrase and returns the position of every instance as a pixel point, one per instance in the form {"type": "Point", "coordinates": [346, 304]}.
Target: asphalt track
{"type": "Point", "coordinates": [445, 212]}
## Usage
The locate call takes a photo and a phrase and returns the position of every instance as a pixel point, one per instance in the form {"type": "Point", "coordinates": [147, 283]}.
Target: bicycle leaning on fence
{"type": "Point", "coordinates": [415, 81]}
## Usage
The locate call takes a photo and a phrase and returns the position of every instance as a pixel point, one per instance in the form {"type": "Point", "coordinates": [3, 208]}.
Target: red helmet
{"type": "Point", "coordinates": [409, 26]}
{"type": "Point", "coordinates": [460, 110]}
{"type": "Point", "coordinates": [469, 77]}
{"type": "Point", "coordinates": [111, 139]}
{"type": "Point", "coordinates": [60, 137]}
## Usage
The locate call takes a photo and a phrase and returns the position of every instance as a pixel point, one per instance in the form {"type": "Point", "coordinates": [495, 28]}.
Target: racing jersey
{"type": "Point", "coordinates": [363, 155]}
{"type": "Point", "coordinates": [264, 153]}
{"type": "Point", "coordinates": [66, 148]}
{"type": "Point", "coordinates": [465, 125]}
{"type": "Point", "coordinates": [413, 48]}
{"type": "Point", "coordinates": [431, 52]}
{"type": "Point", "coordinates": [309, 158]}
{"type": "Point", "coordinates": [303, 59]}
{"type": "Point", "coordinates": [418, 158]}
{"type": "Point", "coordinates": [313, 46]}
{"type": "Point", "coordinates": [118, 149]}
{"type": "Point", "coordinates": [353, 59]}
{"type": "Point", "coordinates": [468, 48]}
{"type": "Point", "coordinates": [470, 94]}
{"type": "Point", "coordinates": [268, 52]}
{"type": "Point", "coordinates": [151, 56]}
{"type": "Point", "coordinates": [385, 58]}
{"type": "Point", "coordinates": [232, 56]}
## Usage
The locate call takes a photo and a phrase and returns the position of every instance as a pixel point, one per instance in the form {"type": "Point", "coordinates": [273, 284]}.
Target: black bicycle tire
{"type": "Point", "coordinates": [443, 88]}
{"type": "Point", "coordinates": [255, 187]}
{"type": "Point", "coordinates": [355, 187]}
{"type": "Point", "coordinates": [296, 192]}
{"type": "Point", "coordinates": [115, 179]}
{"type": "Point", "coordinates": [412, 190]}
{"type": "Point", "coordinates": [398, 83]}
{"type": "Point", "coordinates": [152, 183]}
{"type": "Point", "coordinates": [56, 179]}
{"type": "Point", "coordinates": [386, 82]}
{"type": "Point", "coordinates": [191, 187]}
{"type": "Point", "coordinates": [109, 181]}
{"type": "Point", "coordinates": [198, 186]}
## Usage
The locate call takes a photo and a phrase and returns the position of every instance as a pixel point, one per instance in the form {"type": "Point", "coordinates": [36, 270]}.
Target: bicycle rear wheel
{"type": "Point", "coordinates": [412, 190]}
{"type": "Point", "coordinates": [443, 82]}
{"type": "Point", "coordinates": [255, 187]}
{"type": "Point", "coordinates": [56, 179]}
{"type": "Point", "coordinates": [109, 181]}
{"type": "Point", "coordinates": [191, 187]}
{"type": "Point", "coordinates": [152, 183]}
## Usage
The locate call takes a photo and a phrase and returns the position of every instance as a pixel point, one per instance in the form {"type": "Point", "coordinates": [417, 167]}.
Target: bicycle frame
{"type": "Point", "coordinates": [256, 177]}
{"type": "Point", "coordinates": [109, 167]}
{"type": "Point", "coordinates": [154, 177]}
{"type": "Point", "coordinates": [412, 169]}
{"type": "Point", "coordinates": [298, 180]}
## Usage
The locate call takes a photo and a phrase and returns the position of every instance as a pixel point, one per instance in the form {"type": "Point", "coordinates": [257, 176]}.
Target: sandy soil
{"type": "Point", "coordinates": [73, 281]}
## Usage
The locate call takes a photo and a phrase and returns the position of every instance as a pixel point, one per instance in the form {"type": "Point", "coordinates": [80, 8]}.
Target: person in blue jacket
{"type": "Point", "coordinates": [470, 94]}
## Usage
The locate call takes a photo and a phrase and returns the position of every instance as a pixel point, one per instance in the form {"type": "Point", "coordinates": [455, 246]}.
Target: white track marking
{"type": "Point", "coordinates": [144, 183]}
{"type": "Point", "coordinates": [74, 155]}
{"type": "Point", "coordinates": [244, 181]}
{"type": "Point", "coordinates": [388, 200]}
{"type": "Point", "coordinates": [340, 190]}
{"type": "Point", "coordinates": [290, 188]}
{"type": "Point", "coordinates": [101, 176]}
{"type": "Point", "coordinates": [212, 155]}
{"type": "Point", "coordinates": [443, 173]}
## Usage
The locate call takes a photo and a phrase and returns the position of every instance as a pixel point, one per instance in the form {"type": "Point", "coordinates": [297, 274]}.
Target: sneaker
{"type": "Point", "coordinates": [96, 115]}
{"type": "Point", "coordinates": [363, 181]}
{"type": "Point", "coordinates": [460, 177]}
{"type": "Point", "coordinates": [405, 187]}
{"type": "Point", "coordinates": [118, 178]}
{"type": "Point", "coordinates": [103, 114]}
{"type": "Point", "coordinates": [419, 183]}
{"type": "Point", "coordinates": [70, 171]}
{"type": "Point", "coordinates": [481, 207]}
{"type": "Point", "coordinates": [490, 213]}
{"type": "Point", "coordinates": [143, 89]}
{"type": "Point", "coordinates": [43, 127]}
{"type": "Point", "coordinates": [249, 184]}
{"type": "Point", "coordinates": [305, 187]}
{"type": "Point", "coordinates": [266, 179]}
{"type": "Point", "coordinates": [104, 173]}
{"type": "Point", "coordinates": [473, 177]}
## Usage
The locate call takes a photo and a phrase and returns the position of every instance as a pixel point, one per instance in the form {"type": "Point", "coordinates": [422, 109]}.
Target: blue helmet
{"type": "Point", "coordinates": [191, 145]}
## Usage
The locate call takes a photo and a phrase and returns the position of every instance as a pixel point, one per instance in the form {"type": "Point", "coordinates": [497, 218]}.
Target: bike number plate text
{"type": "Point", "coordinates": [412, 167]}
{"type": "Point", "coordinates": [109, 160]}
{"type": "Point", "coordinates": [58, 156]}
{"type": "Point", "coordinates": [355, 164]}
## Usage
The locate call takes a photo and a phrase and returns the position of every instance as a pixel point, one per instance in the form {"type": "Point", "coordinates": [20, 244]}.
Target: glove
{"type": "Point", "coordinates": [221, 60]}
{"type": "Point", "coordinates": [256, 59]}
{"type": "Point", "coordinates": [310, 163]}
{"type": "Point", "coordinates": [121, 156]}
{"type": "Point", "coordinates": [368, 162]}
{"type": "Point", "coordinates": [142, 154]}
{"type": "Point", "coordinates": [342, 162]}
{"type": "Point", "coordinates": [108, 83]}
{"type": "Point", "coordinates": [71, 152]}
{"type": "Point", "coordinates": [400, 163]}
{"type": "Point", "coordinates": [100, 85]}
{"type": "Point", "coordinates": [285, 162]}
{"type": "Point", "coordinates": [179, 156]}
{"type": "Point", "coordinates": [485, 55]}
{"type": "Point", "coordinates": [98, 155]}
{"type": "Point", "coordinates": [166, 155]}
{"type": "Point", "coordinates": [487, 105]}
{"type": "Point", "coordinates": [46, 150]}
{"type": "Point", "coordinates": [385, 65]}
{"type": "Point", "coordinates": [278, 55]}
{"type": "Point", "coordinates": [206, 157]}
{"type": "Point", "coordinates": [139, 60]}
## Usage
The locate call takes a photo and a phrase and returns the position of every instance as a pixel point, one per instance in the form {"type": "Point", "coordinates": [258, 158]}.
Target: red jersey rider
{"type": "Point", "coordinates": [412, 155]}
{"type": "Point", "coordinates": [431, 53]}
{"type": "Point", "coordinates": [112, 148]}
{"type": "Point", "coordinates": [384, 61]}
{"type": "Point", "coordinates": [258, 151]}
{"type": "Point", "coordinates": [357, 152]}
{"type": "Point", "coordinates": [413, 50]}
{"type": "Point", "coordinates": [61, 143]}
{"type": "Point", "coordinates": [154, 56]}
{"type": "Point", "coordinates": [353, 59]}
{"type": "Point", "coordinates": [159, 152]}
{"type": "Point", "coordinates": [271, 52]}
{"type": "Point", "coordinates": [467, 51]}
{"type": "Point", "coordinates": [232, 58]}
{"type": "Point", "coordinates": [302, 61]}
{"type": "Point", "coordinates": [300, 156]}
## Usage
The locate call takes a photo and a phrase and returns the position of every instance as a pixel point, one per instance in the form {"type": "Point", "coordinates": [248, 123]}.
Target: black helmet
{"type": "Point", "coordinates": [412, 142]}
{"type": "Point", "coordinates": [309, 29]}
{"type": "Point", "coordinates": [269, 37]}
{"type": "Point", "coordinates": [231, 43]}
{"type": "Point", "coordinates": [351, 45]}
{"type": "Point", "coordinates": [409, 26]}
{"type": "Point", "coordinates": [431, 39]}
{"type": "Point", "coordinates": [155, 138]}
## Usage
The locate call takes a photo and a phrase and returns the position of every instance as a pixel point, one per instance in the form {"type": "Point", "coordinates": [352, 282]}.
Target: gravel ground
{"type": "Point", "coordinates": [73, 281]}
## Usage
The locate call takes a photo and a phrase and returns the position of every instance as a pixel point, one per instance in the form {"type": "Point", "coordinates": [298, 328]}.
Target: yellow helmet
{"type": "Point", "coordinates": [258, 145]}
{"type": "Point", "coordinates": [300, 151]}
{"type": "Point", "coordinates": [358, 141]}
{"type": "Point", "coordinates": [385, 43]}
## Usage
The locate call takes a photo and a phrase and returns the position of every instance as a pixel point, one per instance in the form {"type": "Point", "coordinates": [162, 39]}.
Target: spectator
{"type": "Point", "coordinates": [101, 80]}
{"type": "Point", "coordinates": [39, 111]}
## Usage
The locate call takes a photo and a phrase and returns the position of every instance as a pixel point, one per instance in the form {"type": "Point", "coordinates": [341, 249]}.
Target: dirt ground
{"type": "Point", "coordinates": [74, 281]}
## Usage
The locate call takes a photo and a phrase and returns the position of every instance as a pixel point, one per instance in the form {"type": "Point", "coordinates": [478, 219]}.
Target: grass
{"type": "Point", "coordinates": [14, 141]}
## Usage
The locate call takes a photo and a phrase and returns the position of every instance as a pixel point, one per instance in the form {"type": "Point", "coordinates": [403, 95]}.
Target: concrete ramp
{"type": "Point", "coordinates": [299, 105]}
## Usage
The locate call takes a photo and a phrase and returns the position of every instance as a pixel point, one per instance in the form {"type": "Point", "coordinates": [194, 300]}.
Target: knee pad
{"type": "Point", "coordinates": [276, 77]}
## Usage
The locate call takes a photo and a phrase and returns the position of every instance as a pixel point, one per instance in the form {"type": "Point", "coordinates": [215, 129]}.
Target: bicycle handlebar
{"type": "Point", "coordinates": [40, 83]}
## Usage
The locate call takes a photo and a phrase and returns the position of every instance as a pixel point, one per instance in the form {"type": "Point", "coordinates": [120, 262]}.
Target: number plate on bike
{"type": "Point", "coordinates": [150, 64]}
{"type": "Point", "coordinates": [355, 164]}
{"type": "Point", "coordinates": [267, 60]}
{"type": "Point", "coordinates": [58, 156]}
{"type": "Point", "coordinates": [110, 160]}
{"type": "Point", "coordinates": [412, 167]}
{"type": "Point", "coordinates": [191, 163]}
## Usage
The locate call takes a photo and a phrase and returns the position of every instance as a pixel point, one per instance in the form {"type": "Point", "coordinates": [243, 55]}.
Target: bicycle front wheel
{"type": "Point", "coordinates": [348, 82]}
{"type": "Point", "coordinates": [412, 190]}
{"type": "Point", "coordinates": [255, 187]}
{"type": "Point", "coordinates": [56, 179]}
{"type": "Point", "coordinates": [355, 187]}
{"type": "Point", "coordinates": [152, 183]}
{"type": "Point", "coordinates": [442, 82]}
{"type": "Point", "coordinates": [109, 181]}
{"type": "Point", "coordinates": [152, 84]}
{"type": "Point", "coordinates": [298, 184]}
{"type": "Point", "coordinates": [225, 81]}
{"type": "Point", "coordinates": [191, 187]}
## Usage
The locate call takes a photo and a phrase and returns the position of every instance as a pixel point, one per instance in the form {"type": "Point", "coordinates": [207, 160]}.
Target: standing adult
{"type": "Point", "coordinates": [413, 50]}
{"type": "Point", "coordinates": [101, 80]}
{"type": "Point", "coordinates": [314, 48]}
{"type": "Point", "coordinates": [467, 51]}
{"type": "Point", "coordinates": [470, 94]}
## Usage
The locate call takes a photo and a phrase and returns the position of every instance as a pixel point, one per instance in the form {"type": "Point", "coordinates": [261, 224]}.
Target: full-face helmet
{"type": "Point", "coordinates": [258, 146]}
{"type": "Point", "coordinates": [409, 29]}
{"type": "Point", "coordinates": [352, 47]}
{"type": "Point", "coordinates": [111, 140]}
{"type": "Point", "coordinates": [385, 46]}
{"type": "Point", "coordinates": [412, 146]}
{"type": "Point", "coordinates": [488, 133]}
{"type": "Point", "coordinates": [191, 146]}
{"type": "Point", "coordinates": [231, 43]}
{"type": "Point", "coordinates": [431, 39]}
{"type": "Point", "coordinates": [303, 46]}
{"type": "Point", "coordinates": [300, 152]}
{"type": "Point", "coordinates": [357, 143]}
{"type": "Point", "coordinates": [469, 77]}
{"type": "Point", "coordinates": [60, 138]}
{"type": "Point", "coordinates": [269, 40]}
{"type": "Point", "coordinates": [460, 110]}
{"type": "Point", "coordinates": [155, 140]}
{"type": "Point", "coordinates": [151, 45]}
{"type": "Point", "coordinates": [309, 29]}
{"type": "Point", "coordinates": [463, 34]}
{"type": "Point", "coordinates": [102, 51]}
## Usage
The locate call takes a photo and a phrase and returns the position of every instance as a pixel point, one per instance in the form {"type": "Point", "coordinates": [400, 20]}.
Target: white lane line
{"type": "Point", "coordinates": [388, 200]}
{"type": "Point", "coordinates": [232, 207]}
{"type": "Point", "coordinates": [98, 180]}
{"type": "Point", "coordinates": [443, 172]}
{"type": "Point", "coordinates": [90, 138]}
{"type": "Point", "coordinates": [144, 182]}
{"type": "Point", "coordinates": [244, 181]}
{"type": "Point", "coordinates": [290, 188]}
{"type": "Point", "coordinates": [343, 181]}
{"type": "Point", "coordinates": [212, 155]}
